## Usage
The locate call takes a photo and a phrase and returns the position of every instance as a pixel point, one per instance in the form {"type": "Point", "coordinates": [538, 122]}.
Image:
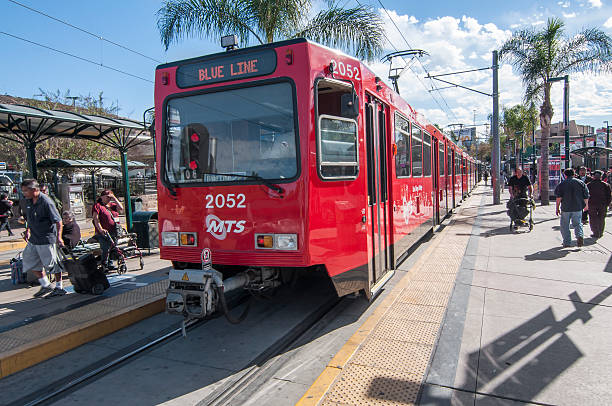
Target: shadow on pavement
{"type": "Point", "coordinates": [519, 364]}
{"type": "Point", "coordinates": [550, 254]}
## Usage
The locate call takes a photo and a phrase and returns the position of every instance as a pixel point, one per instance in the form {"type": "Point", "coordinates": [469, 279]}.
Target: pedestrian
{"type": "Point", "coordinates": [572, 198]}
{"type": "Point", "coordinates": [600, 196]}
{"type": "Point", "coordinates": [43, 231]}
{"type": "Point", "coordinates": [58, 203]}
{"type": "Point", "coordinates": [5, 213]}
{"type": "Point", "coordinates": [519, 185]}
{"type": "Point", "coordinates": [106, 223]}
{"type": "Point", "coordinates": [583, 176]}
{"type": "Point", "coordinates": [71, 232]}
{"type": "Point", "coordinates": [486, 177]}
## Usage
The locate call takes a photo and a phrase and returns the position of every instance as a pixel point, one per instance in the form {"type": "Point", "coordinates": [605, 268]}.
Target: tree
{"type": "Point", "coordinates": [518, 119]}
{"type": "Point", "coordinates": [358, 30]}
{"type": "Point", "coordinates": [541, 55]}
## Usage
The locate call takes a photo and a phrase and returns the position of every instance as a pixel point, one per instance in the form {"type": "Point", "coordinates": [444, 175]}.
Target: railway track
{"type": "Point", "coordinates": [250, 377]}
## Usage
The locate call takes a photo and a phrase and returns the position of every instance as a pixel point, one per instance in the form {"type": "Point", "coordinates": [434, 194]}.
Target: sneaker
{"type": "Point", "coordinates": [580, 241]}
{"type": "Point", "coordinates": [43, 291]}
{"type": "Point", "coordinates": [566, 245]}
{"type": "Point", "coordinates": [56, 292]}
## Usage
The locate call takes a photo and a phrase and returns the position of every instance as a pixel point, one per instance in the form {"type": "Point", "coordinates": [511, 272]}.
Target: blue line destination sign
{"type": "Point", "coordinates": [226, 68]}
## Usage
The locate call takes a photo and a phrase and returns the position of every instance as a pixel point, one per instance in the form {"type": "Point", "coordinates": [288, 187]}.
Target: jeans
{"type": "Point", "coordinates": [105, 245]}
{"type": "Point", "coordinates": [576, 219]}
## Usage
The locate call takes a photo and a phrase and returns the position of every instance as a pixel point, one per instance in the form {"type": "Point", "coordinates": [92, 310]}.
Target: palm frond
{"type": "Point", "coordinates": [275, 18]}
{"type": "Point", "coordinates": [177, 19]}
{"type": "Point", "coordinates": [358, 30]}
{"type": "Point", "coordinates": [590, 50]}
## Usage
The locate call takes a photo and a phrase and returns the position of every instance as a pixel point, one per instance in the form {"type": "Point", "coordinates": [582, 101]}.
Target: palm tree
{"type": "Point", "coordinates": [542, 55]}
{"type": "Point", "coordinates": [518, 120]}
{"type": "Point", "coordinates": [358, 30]}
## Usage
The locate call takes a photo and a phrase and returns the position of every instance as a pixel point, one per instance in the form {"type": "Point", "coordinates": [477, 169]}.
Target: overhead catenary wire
{"type": "Point", "coordinates": [76, 56]}
{"type": "Point", "coordinates": [434, 88]}
{"type": "Point", "coordinates": [84, 31]}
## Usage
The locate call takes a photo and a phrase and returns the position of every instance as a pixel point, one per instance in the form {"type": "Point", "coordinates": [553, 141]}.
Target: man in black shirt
{"type": "Point", "coordinates": [518, 185]}
{"type": "Point", "coordinates": [572, 196]}
{"type": "Point", "coordinates": [5, 213]}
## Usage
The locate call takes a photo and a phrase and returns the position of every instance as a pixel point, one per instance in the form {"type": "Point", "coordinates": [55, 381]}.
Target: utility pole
{"type": "Point", "coordinates": [607, 145]}
{"type": "Point", "coordinates": [566, 120]}
{"type": "Point", "coordinates": [495, 131]}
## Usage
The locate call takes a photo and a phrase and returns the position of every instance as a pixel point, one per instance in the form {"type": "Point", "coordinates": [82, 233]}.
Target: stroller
{"type": "Point", "coordinates": [519, 208]}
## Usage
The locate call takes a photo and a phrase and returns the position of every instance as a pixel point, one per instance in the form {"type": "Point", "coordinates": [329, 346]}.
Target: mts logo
{"type": "Point", "coordinates": [220, 228]}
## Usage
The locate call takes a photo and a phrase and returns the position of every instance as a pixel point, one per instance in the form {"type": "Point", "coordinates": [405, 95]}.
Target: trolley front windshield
{"type": "Point", "coordinates": [227, 135]}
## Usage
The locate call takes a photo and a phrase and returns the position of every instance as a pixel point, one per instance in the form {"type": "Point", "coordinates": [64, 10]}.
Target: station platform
{"type": "Point", "coordinates": [35, 329]}
{"type": "Point", "coordinates": [486, 316]}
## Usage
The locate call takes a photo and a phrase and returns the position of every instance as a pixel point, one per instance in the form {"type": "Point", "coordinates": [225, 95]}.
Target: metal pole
{"type": "Point", "coordinates": [607, 145]}
{"type": "Point", "coordinates": [31, 151]}
{"type": "Point", "coordinates": [495, 130]}
{"type": "Point", "coordinates": [93, 186]}
{"type": "Point", "coordinates": [126, 189]}
{"type": "Point", "coordinates": [566, 120]}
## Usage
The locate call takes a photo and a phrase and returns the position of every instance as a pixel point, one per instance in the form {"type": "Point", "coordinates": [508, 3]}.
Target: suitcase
{"type": "Point", "coordinates": [86, 275]}
{"type": "Point", "coordinates": [17, 274]}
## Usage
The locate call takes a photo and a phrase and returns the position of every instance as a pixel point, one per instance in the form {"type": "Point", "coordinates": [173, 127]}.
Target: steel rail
{"type": "Point", "coordinates": [111, 364]}
{"type": "Point", "coordinates": [267, 361]}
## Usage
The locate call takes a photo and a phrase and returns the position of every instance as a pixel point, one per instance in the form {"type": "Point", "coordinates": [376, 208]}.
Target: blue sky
{"type": "Point", "coordinates": [457, 34]}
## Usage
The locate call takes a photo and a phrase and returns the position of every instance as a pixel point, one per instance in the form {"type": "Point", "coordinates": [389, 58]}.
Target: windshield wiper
{"type": "Point", "coordinates": [256, 177]}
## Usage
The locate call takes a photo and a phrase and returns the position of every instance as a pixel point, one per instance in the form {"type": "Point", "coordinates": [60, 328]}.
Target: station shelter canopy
{"type": "Point", "coordinates": [29, 125]}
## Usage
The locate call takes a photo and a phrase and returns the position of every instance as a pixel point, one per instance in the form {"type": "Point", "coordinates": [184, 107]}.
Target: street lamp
{"type": "Point", "coordinates": [565, 114]}
{"type": "Point", "coordinates": [607, 145]}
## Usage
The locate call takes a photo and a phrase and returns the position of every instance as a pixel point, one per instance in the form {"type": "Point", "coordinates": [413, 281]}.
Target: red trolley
{"type": "Point", "coordinates": [291, 156]}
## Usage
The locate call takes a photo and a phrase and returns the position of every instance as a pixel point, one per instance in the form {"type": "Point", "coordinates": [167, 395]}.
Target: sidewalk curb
{"type": "Point", "coordinates": [39, 350]}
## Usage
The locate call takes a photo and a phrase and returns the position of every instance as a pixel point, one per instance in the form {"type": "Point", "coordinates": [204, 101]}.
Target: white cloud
{"type": "Point", "coordinates": [539, 22]}
{"type": "Point", "coordinates": [456, 44]}
{"type": "Point", "coordinates": [564, 4]}
{"type": "Point", "coordinates": [608, 23]}
{"type": "Point", "coordinates": [595, 3]}
{"type": "Point", "coordinates": [569, 15]}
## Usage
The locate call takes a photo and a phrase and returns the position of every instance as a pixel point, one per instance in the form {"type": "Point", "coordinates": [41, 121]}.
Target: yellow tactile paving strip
{"type": "Point", "coordinates": [25, 346]}
{"type": "Point", "coordinates": [385, 361]}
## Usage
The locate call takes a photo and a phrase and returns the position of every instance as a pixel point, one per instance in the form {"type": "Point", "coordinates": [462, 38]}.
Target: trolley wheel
{"type": "Point", "coordinates": [141, 263]}
{"type": "Point", "coordinates": [122, 269]}
{"type": "Point", "coordinates": [79, 291]}
{"type": "Point", "coordinates": [97, 289]}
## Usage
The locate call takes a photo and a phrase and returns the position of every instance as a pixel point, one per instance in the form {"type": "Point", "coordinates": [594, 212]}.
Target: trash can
{"type": "Point", "coordinates": [144, 224]}
{"type": "Point", "coordinates": [136, 204]}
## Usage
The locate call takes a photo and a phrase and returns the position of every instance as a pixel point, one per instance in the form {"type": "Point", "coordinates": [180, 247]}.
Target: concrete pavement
{"type": "Point", "coordinates": [527, 322]}
{"type": "Point", "coordinates": [535, 318]}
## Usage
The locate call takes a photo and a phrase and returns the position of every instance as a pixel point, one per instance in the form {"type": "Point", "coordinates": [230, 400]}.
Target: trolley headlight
{"type": "Point", "coordinates": [170, 238]}
{"type": "Point", "coordinates": [285, 241]}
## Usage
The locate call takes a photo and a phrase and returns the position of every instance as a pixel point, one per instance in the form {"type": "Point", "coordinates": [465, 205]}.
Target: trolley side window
{"type": "Point", "coordinates": [337, 142]}
{"type": "Point", "coordinates": [441, 159]}
{"type": "Point", "coordinates": [426, 154]}
{"type": "Point", "coordinates": [402, 142]}
{"type": "Point", "coordinates": [417, 151]}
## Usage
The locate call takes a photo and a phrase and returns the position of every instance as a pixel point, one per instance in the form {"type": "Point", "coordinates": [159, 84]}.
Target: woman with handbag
{"type": "Point", "coordinates": [105, 215]}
